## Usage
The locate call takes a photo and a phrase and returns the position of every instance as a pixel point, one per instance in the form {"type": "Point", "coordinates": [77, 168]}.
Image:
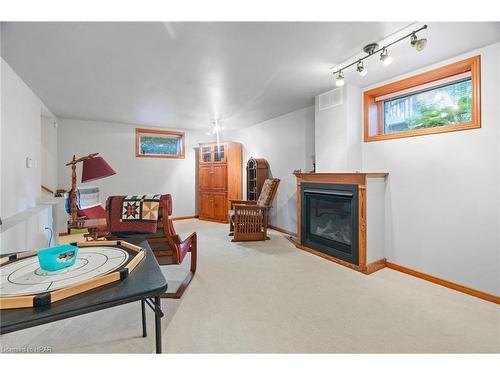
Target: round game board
{"type": "Point", "coordinates": [25, 277]}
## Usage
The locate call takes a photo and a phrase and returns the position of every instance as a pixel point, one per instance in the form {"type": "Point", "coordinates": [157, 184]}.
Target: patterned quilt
{"type": "Point", "coordinates": [133, 213]}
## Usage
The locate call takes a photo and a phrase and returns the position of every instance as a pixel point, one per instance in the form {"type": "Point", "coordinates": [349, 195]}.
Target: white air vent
{"type": "Point", "coordinates": [330, 99]}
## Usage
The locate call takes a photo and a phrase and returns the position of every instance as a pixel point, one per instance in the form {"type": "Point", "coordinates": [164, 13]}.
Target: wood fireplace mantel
{"type": "Point", "coordinates": [359, 179]}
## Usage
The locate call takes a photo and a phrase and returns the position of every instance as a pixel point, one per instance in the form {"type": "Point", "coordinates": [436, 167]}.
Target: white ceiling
{"type": "Point", "coordinates": [183, 75]}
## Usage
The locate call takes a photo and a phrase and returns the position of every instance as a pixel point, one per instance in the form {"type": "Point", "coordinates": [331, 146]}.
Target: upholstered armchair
{"type": "Point", "coordinates": [249, 219]}
{"type": "Point", "coordinates": [167, 245]}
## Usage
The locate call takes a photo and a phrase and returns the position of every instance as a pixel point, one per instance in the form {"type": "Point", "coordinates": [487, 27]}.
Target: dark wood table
{"type": "Point", "coordinates": [145, 284]}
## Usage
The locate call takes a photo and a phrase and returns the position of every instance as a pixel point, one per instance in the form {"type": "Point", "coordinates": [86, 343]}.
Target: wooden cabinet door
{"type": "Point", "coordinates": [205, 177]}
{"type": "Point", "coordinates": [220, 153]}
{"type": "Point", "coordinates": [206, 154]}
{"type": "Point", "coordinates": [219, 207]}
{"type": "Point", "coordinates": [206, 206]}
{"type": "Point", "coordinates": [219, 177]}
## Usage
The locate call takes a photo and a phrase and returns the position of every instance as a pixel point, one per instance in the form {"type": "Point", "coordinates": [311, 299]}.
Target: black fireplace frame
{"type": "Point", "coordinates": [331, 247]}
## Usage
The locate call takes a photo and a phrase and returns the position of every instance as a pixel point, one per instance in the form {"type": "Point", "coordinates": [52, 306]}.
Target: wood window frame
{"type": "Point", "coordinates": [143, 131]}
{"type": "Point", "coordinates": [373, 108]}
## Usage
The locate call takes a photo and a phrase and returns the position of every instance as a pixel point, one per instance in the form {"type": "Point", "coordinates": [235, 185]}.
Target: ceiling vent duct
{"type": "Point", "coordinates": [330, 99]}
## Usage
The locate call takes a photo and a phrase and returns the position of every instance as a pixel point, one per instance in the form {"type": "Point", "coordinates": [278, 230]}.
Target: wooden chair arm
{"type": "Point", "coordinates": [254, 207]}
{"type": "Point", "coordinates": [177, 240]}
{"type": "Point", "coordinates": [233, 202]}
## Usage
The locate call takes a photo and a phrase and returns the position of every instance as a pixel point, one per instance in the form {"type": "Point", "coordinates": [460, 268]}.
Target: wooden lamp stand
{"type": "Point", "coordinates": [94, 167]}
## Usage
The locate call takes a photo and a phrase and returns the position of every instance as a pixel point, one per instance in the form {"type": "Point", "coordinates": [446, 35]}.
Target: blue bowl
{"type": "Point", "coordinates": [57, 257]}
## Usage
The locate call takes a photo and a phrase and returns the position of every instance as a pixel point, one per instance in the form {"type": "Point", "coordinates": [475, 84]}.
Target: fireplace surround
{"type": "Point", "coordinates": [341, 217]}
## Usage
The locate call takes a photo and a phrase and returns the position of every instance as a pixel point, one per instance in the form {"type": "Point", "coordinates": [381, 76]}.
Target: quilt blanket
{"type": "Point", "coordinates": [133, 213]}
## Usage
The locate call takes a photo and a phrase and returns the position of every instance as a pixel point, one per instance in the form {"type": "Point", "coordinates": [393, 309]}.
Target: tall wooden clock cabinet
{"type": "Point", "coordinates": [219, 179]}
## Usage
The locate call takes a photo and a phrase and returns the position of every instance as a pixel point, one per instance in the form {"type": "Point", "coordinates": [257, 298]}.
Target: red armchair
{"type": "Point", "coordinates": [166, 244]}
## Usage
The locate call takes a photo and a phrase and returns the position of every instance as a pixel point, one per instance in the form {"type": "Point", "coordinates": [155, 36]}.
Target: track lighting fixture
{"type": "Point", "coordinates": [418, 44]}
{"type": "Point", "coordinates": [374, 48]}
{"type": "Point", "coordinates": [361, 69]}
{"type": "Point", "coordinates": [339, 81]}
{"type": "Point", "coordinates": [385, 59]}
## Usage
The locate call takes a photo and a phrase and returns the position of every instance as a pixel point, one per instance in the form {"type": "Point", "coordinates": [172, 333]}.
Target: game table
{"type": "Point", "coordinates": [145, 284]}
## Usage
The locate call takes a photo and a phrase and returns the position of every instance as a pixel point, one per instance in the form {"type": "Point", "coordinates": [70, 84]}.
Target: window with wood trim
{"type": "Point", "coordinates": [154, 143]}
{"type": "Point", "coordinates": [441, 100]}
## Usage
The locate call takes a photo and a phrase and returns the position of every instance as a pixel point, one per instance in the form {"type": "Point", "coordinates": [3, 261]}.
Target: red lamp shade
{"type": "Point", "coordinates": [96, 168]}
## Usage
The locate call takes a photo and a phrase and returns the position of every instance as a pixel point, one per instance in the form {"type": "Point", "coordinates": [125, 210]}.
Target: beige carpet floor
{"type": "Point", "coordinates": [271, 297]}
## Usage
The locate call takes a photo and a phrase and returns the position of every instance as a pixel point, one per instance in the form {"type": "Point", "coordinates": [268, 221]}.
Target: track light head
{"type": "Point", "coordinates": [418, 44]}
{"type": "Point", "coordinates": [361, 69]}
{"type": "Point", "coordinates": [340, 81]}
{"type": "Point", "coordinates": [385, 58]}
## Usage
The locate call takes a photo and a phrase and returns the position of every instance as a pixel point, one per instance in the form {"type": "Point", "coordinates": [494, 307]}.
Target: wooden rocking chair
{"type": "Point", "coordinates": [166, 244]}
{"type": "Point", "coordinates": [249, 219]}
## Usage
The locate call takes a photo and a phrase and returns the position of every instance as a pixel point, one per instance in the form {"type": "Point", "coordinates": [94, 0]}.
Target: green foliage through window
{"type": "Point", "coordinates": [160, 145]}
{"type": "Point", "coordinates": [448, 104]}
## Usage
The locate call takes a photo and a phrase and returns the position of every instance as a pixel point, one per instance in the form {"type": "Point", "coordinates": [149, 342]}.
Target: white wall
{"type": "Point", "coordinates": [49, 162]}
{"type": "Point", "coordinates": [20, 186]}
{"type": "Point", "coordinates": [443, 196]}
{"type": "Point", "coordinates": [21, 111]}
{"type": "Point", "coordinates": [1, 127]}
{"type": "Point", "coordinates": [287, 143]}
{"type": "Point", "coordinates": [115, 142]}
{"type": "Point", "coordinates": [338, 135]}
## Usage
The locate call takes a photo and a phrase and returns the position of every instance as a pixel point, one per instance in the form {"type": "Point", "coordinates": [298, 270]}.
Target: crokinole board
{"type": "Point", "coordinates": [24, 284]}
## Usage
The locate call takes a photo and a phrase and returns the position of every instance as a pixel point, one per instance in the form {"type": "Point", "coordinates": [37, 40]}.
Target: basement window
{"type": "Point", "coordinates": [442, 100]}
{"type": "Point", "coordinates": [153, 143]}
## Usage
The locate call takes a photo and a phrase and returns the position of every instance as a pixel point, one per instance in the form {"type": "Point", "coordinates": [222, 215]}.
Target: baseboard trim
{"type": "Point", "coordinates": [282, 230]}
{"type": "Point", "coordinates": [445, 283]}
{"type": "Point", "coordinates": [184, 217]}
{"type": "Point", "coordinates": [375, 266]}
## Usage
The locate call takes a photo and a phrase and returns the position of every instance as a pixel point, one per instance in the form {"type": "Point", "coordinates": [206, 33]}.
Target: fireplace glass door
{"type": "Point", "coordinates": [330, 220]}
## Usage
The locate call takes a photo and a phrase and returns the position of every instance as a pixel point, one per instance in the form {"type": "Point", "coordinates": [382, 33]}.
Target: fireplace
{"type": "Point", "coordinates": [330, 220]}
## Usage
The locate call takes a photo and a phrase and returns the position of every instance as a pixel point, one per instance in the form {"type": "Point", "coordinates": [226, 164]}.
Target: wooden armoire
{"type": "Point", "coordinates": [219, 179]}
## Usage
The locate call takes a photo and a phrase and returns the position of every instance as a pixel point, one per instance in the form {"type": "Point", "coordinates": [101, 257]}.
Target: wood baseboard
{"type": "Point", "coordinates": [375, 266]}
{"type": "Point", "coordinates": [184, 217]}
{"type": "Point", "coordinates": [214, 220]}
{"type": "Point", "coordinates": [445, 283]}
{"type": "Point", "coordinates": [282, 230]}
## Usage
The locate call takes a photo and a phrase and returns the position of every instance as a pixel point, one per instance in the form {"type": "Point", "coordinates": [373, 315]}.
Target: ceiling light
{"type": "Point", "coordinates": [370, 48]}
{"type": "Point", "coordinates": [216, 127]}
{"type": "Point", "coordinates": [385, 58]}
{"type": "Point", "coordinates": [361, 69]}
{"type": "Point", "coordinates": [373, 48]}
{"type": "Point", "coordinates": [339, 81]}
{"type": "Point", "coordinates": [418, 44]}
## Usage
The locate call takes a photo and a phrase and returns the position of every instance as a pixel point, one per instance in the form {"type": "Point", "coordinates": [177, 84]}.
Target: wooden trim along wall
{"type": "Point", "coordinates": [139, 131]}
{"type": "Point", "coordinates": [185, 217]}
{"type": "Point", "coordinates": [282, 230]}
{"type": "Point", "coordinates": [372, 110]}
{"type": "Point", "coordinates": [447, 284]}
{"type": "Point", "coordinates": [46, 189]}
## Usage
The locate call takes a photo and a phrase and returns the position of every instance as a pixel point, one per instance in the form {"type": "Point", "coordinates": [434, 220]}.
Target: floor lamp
{"type": "Point", "coordinates": [93, 168]}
